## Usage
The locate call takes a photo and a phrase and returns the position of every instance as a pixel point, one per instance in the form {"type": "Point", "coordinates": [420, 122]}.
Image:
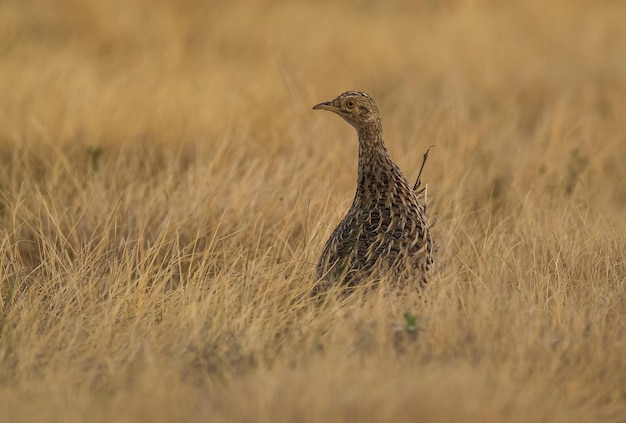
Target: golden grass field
{"type": "Point", "coordinates": [166, 189]}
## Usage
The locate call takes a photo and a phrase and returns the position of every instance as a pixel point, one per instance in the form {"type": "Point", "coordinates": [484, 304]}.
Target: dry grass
{"type": "Point", "coordinates": [165, 191]}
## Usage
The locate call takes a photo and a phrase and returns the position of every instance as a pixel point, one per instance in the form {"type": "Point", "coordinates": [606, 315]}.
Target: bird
{"type": "Point", "coordinates": [385, 231]}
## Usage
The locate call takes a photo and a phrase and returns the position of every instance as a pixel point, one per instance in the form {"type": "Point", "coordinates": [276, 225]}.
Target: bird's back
{"type": "Point", "coordinates": [385, 231]}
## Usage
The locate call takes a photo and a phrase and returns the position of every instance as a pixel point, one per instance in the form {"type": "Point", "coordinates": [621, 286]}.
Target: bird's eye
{"type": "Point", "coordinates": [350, 103]}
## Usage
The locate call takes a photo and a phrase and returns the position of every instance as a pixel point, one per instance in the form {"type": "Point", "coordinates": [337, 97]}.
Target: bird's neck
{"type": "Point", "coordinates": [375, 164]}
{"type": "Point", "coordinates": [371, 143]}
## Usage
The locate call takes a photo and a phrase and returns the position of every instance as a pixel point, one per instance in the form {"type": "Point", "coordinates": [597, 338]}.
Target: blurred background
{"type": "Point", "coordinates": [518, 88]}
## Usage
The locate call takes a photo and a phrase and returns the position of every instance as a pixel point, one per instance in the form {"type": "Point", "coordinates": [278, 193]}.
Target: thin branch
{"type": "Point", "coordinates": [419, 176]}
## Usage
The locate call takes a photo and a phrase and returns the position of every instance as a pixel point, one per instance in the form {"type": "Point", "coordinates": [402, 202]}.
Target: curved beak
{"type": "Point", "coordinates": [328, 105]}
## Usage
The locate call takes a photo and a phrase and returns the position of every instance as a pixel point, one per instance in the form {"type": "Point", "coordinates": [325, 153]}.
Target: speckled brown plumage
{"type": "Point", "coordinates": [385, 230]}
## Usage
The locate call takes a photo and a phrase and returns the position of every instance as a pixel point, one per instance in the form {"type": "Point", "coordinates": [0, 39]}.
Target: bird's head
{"type": "Point", "coordinates": [357, 108]}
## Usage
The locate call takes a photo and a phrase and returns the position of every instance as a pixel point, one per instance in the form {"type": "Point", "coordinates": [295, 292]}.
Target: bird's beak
{"type": "Point", "coordinates": [325, 106]}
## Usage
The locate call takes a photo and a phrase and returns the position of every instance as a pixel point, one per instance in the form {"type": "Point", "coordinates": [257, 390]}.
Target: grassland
{"type": "Point", "coordinates": [165, 191]}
